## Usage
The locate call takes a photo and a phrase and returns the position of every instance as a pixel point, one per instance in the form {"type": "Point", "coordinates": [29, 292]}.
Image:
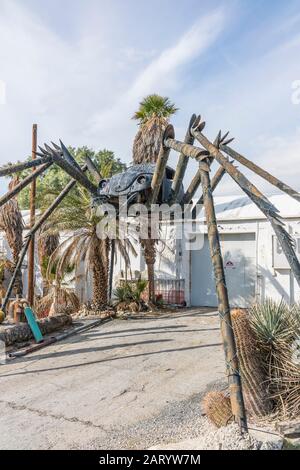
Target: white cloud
{"type": "Point", "coordinates": [162, 74]}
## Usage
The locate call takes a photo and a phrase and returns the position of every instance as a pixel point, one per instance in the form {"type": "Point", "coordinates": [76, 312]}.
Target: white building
{"type": "Point", "coordinates": [255, 267]}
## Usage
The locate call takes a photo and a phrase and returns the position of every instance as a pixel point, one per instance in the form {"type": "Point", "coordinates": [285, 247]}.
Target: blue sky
{"type": "Point", "coordinates": [79, 69]}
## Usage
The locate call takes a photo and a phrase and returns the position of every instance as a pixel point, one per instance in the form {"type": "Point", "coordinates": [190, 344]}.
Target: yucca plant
{"type": "Point", "coordinates": [130, 295]}
{"type": "Point", "coordinates": [277, 329]}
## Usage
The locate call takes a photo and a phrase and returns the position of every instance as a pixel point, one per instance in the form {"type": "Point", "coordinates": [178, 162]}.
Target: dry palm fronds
{"type": "Point", "coordinates": [217, 407]}
{"type": "Point", "coordinates": [257, 401]}
{"type": "Point", "coordinates": [11, 222]}
{"type": "Point", "coordinates": [57, 301]}
{"type": "Point", "coordinates": [147, 141]}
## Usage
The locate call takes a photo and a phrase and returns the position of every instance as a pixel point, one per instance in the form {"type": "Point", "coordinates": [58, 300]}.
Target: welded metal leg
{"type": "Point", "coordinates": [183, 161]}
{"type": "Point", "coordinates": [234, 379]}
{"type": "Point", "coordinates": [25, 182]}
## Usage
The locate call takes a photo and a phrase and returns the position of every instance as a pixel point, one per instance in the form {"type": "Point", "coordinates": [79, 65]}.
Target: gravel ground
{"type": "Point", "coordinates": [183, 425]}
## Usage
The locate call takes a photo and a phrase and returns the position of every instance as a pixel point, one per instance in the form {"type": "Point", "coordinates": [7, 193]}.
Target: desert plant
{"type": "Point", "coordinates": [129, 295]}
{"type": "Point", "coordinates": [58, 300]}
{"type": "Point", "coordinates": [253, 375]}
{"type": "Point", "coordinates": [277, 328]}
{"type": "Point", "coordinates": [217, 407]}
{"type": "Point", "coordinates": [11, 222]}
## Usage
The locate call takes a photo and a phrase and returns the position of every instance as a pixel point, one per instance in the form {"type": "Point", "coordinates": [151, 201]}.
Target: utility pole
{"type": "Point", "coordinates": [31, 250]}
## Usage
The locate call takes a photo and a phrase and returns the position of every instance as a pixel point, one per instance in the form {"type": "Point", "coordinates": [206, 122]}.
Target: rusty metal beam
{"type": "Point", "coordinates": [234, 379]}
{"type": "Point", "coordinates": [261, 172]}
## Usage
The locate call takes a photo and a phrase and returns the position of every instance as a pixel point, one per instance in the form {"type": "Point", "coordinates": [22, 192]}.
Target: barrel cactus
{"type": "Point", "coordinates": [217, 407]}
{"type": "Point", "coordinates": [254, 380]}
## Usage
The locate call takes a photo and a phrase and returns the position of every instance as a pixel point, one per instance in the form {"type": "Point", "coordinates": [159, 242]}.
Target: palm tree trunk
{"type": "Point", "coordinates": [100, 273]}
{"type": "Point", "coordinates": [150, 256]}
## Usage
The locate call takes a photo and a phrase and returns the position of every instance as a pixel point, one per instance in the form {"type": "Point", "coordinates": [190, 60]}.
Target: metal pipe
{"type": "Point", "coordinates": [31, 247]}
{"type": "Point", "coordinates": [234, 379]}
{"type": "Point", "coordinates": [261, 172]}
{"type": "Point", "coordinates": [25, 182]}
{"type": "Point", "coordinates": [259, 199]}
{"type": "Point", "coordinates": [55, 339]}
{"type": "Point", "coordinates": [15, 168]}
{"type": "Point", "coordinates": [182, 161]}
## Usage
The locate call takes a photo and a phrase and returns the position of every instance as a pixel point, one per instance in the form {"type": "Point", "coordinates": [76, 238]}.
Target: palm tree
{"type": "Point", "coordinates": [153, 117]}
{"type": "Point", "coordinates": [11, 222]}
{"type": "Point", "coordinates": [82, 247]}
{"type": "Point", "coordinates": [47, 244]}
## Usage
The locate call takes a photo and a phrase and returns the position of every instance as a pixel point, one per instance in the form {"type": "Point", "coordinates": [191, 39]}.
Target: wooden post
{"type": "Point", "coordinates": [31, 250]}
{"type": "Point", "coordinates": [232, 365]}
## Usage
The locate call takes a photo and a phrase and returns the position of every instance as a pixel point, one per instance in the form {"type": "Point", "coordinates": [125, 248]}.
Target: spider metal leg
{"type": "Point", "coordinates": [93, 169]}
{"type": "Point", "coordinates": [11, 169]}
{"type": "Point", "coordinates": [218, 175]}
{"type": "Point", "coordinates": [161, 164]}
{"type": "Point", "coordinates": [183, 160]}
{"type": "Point", "coordinates": [259, 200]}
{"type": "Point", "coordinates": [260, 171]}
{"type": "Point", "coordinates": [25, 182]}
{"type": "Point", "coordinates": [31, 233]}
{"type": "Point", "coordinates": [234, 379]}
{"type": "Point", "coordinates": [76, 173]}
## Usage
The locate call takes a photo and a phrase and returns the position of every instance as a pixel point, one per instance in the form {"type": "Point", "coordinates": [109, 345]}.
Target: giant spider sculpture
{"type": "Point", "coordinates": [158, 183]}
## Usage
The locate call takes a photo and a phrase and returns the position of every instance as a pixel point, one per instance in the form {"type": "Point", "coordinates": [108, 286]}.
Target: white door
{"type": "Point", "coordinates": [238, 252]}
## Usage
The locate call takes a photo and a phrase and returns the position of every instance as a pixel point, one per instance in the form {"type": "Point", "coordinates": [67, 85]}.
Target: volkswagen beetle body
{"type": "Point", "coordinates": [134, 185]}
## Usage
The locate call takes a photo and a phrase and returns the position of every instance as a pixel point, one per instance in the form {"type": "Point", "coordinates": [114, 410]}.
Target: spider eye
{"type": "Point", "coordinates": [141, 179]}
{"type": "Point", "coordinates": [102, 184]}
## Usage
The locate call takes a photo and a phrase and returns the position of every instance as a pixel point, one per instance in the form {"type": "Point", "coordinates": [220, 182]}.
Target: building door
{"type": "Point", "coordinates": [238, 252]}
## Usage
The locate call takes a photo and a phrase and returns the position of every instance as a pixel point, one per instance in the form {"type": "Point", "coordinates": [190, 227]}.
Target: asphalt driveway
{"type": "Point", "coordinates": [127, 383]}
